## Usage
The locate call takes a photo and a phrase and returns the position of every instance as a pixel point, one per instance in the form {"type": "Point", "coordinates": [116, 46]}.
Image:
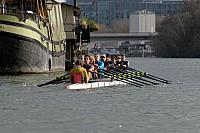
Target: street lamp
{"type": "Point", "coordinates": [49, 6]}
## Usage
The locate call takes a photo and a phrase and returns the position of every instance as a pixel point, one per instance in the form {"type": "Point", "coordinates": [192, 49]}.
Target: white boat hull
{"type": "Point", "coordinates": [93, 85]}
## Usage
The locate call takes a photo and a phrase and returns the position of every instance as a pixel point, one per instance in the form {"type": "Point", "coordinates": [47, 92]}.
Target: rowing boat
{"type": "Point", "coordinates": [94, 85]}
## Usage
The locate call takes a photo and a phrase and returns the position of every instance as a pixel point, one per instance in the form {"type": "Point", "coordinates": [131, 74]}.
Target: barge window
{"type": "Point", "coordinates": [27, 6]}
{"type": "Point", "coordinates": [13, 4]}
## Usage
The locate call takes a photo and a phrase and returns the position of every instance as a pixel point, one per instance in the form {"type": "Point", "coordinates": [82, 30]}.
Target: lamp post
{"type": "Point", "coordinates": [49, 6]}
{"type": "Point", "coordinates": [2, 6]}
{"type": "Point", "coordinates": [75, 3]}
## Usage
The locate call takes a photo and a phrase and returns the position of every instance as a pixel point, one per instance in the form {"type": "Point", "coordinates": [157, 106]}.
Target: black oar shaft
{"type": "Point", "coordinates": [120, 79]}
{"type": "Point", "coordinates": [140, 78]}
{"type": "Point", "coordinates": [123, 77]}
{"type": "Point", "coordinates": [127, 76]}
{"type": "Point", "coordinates": [150, 76]}
{"type": "Point", "coordinates": [136, 77]}
{"type": "Point", "coordinates": [55, 81]}
{"type": "Point", "coordinates": [156, 79]}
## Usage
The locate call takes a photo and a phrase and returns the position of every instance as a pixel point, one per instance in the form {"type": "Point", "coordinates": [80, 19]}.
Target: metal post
{"type": "Point", "coordinates": [143, 51]}
{"type": "Point", "coordinates": [80, 44]}
{"type": "Point", "coordinates": [75, 3]}
{"type": "Point", "coordinates": [3, 7]}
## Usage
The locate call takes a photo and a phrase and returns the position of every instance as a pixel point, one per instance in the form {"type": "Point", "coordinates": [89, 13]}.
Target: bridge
{"type": "Point", "coordinates": [98, 37]}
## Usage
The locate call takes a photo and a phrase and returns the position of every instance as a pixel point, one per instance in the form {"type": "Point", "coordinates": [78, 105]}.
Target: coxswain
{"type": "Point", "coordinates": [89, 67]}
{"type": "Point", "coordinates": [78, 74]}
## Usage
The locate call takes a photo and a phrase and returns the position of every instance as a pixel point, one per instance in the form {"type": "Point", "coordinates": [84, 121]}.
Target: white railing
{"type": "Point", "coordinates": [23, 15]}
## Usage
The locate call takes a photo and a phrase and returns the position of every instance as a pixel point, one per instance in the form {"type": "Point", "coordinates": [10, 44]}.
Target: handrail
{"type": "Point", "coordinates": [22, 14]}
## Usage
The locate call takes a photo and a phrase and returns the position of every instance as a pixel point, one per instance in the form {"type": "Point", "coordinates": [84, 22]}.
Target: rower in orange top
{"type": "Point", "coordinates": [78, 74]}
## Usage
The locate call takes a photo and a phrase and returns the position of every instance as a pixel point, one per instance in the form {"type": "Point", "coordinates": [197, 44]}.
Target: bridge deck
{"type": "Point", "coordinates": [95, 36]}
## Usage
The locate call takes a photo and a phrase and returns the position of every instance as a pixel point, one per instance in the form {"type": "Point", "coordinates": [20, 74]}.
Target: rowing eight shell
{"type": "Point", "coordinates": [93, 85]}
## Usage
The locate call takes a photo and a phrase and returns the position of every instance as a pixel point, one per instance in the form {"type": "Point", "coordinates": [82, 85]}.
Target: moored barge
{"type": "Point", "coordinates": [32, 37]}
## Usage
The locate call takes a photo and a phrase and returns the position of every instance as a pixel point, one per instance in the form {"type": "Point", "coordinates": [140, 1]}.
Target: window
{"type": "Point", "coordinates": [12, 4]}
{"type": "Point", "coordinates": [27, 6]}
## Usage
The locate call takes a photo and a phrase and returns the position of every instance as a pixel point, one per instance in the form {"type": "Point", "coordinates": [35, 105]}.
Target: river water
{"type": "Point", "coordinates": [173, 108]}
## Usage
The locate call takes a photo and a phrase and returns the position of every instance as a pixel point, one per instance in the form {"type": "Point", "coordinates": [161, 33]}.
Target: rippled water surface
{"type": "Point", "coordinates": [173, 108]}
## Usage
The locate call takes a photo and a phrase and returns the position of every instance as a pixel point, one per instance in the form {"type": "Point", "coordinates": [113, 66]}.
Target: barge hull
{"type": "Point", "coordinates": [20, 54]}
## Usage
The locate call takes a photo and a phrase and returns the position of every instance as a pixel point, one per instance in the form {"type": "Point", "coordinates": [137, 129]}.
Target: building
{"type": "Point", "coordinates": [142, 22]}
{"type": "Point", "coordinates": [137, 48]}
{"type": "Point", "coordinates": [105, 11]}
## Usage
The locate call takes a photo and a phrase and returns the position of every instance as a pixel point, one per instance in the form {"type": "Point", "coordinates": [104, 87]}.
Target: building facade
{"type": "Point", "coordinates": [105, 11]}
{"type": "Point", "coordinates": [142, 22]}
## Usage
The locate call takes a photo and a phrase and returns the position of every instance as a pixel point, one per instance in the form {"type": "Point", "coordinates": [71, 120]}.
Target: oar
{"type": "Point", "coordinates": [114, 77]}
{"type": "Point", "coordinates": [132, 78]}
{"type": "Point", "coordinates": [55, 81]}
{"type": "Point", "coordinates": [122, 79]}
{"type": "Point", "coordinates": [139, 76]}
{"type": "Point", "coordinates": [144, 75]}
{"type": "Point", "coordinates": [123, 76]}
{"type": "Point", "coordinates": [150, 76]}
{"type": "Point", "coordinates": [136, 77]}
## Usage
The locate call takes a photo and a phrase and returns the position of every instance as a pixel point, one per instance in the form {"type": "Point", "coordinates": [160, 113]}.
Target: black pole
{"type": "Point", "coordinates": [75, 3]}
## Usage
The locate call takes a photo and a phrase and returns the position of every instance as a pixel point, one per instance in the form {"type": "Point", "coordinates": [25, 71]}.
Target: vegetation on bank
{"type": "Point", "coordinates": [179, 35]}
{"type": "Point", "coordinates": [93, 25]}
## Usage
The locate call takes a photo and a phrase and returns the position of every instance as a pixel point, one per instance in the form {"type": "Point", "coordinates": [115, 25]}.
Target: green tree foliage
{"type": "Point", "coordinates": [179, 35]}
{"type": "Point", "coordinates": [90, 23]}
{"type": "Point", "coordinates": [117, 26]}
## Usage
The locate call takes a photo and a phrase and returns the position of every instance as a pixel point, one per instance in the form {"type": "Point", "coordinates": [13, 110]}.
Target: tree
{"type": "Point", "coordinates": [117, 26]}
{"type": "Point", "coordinates": [90, 23]}
{"type": "Point", "coordinates": [121, 25]}
{"type": "Point", "coordinates": [179, 35]}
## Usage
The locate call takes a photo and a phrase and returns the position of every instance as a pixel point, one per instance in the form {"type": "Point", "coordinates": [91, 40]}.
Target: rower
{"type": "Point", "coordinates": [89, 67]}
{"type": "Point", "coordinates": [108, 63]}
{"type": "Point", "coordinates": [118, 63]}
{"type": "Point", "coordinates": [125, 62]}
{"type": "Point", "coordinates": [113, 59]}
{"type": "Point", "coordinates": [99, 65]}
{"type": "Point", "coordinates": [103, 59]}
{"type": "Point", "coordinates": [78, 74]}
